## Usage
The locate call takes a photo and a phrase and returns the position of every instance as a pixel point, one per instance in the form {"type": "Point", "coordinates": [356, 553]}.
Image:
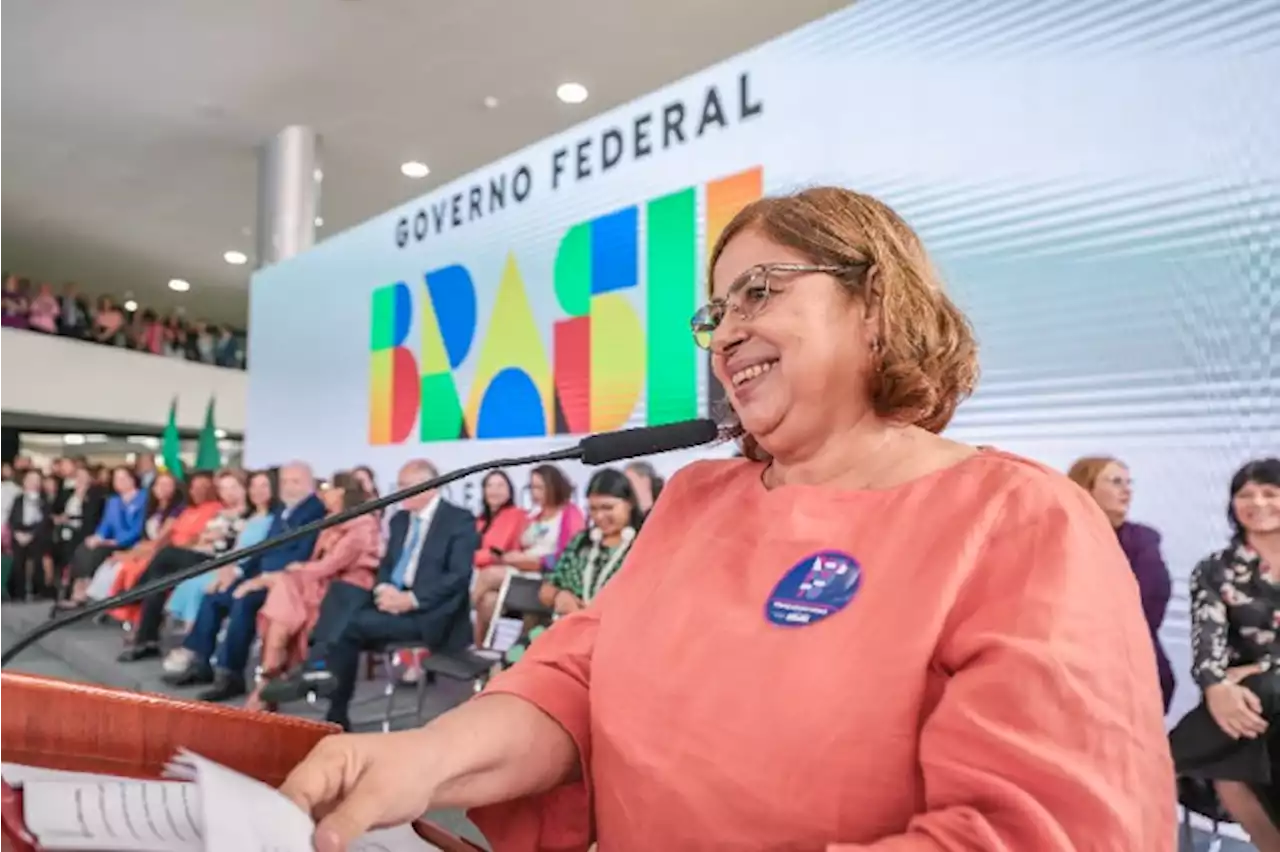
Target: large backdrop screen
{"type": "Point", "coordinates": [1097, 182]}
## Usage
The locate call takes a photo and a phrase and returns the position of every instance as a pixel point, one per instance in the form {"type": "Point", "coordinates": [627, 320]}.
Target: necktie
{"type": "Point", "coordinates": [406, 555]}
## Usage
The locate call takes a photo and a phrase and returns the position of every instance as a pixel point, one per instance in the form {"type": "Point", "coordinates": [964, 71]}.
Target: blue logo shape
{"type": "Point", "coordinates": [817, 586]}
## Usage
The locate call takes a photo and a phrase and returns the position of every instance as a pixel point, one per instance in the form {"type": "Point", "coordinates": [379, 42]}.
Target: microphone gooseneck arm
{"type": "Point", "coordinates": [165, 583]}
{"type": "Point", "coordinates": [592, 450]}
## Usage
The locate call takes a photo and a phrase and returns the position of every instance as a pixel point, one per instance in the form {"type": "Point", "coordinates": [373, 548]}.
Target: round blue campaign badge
{"type": "Point", "coordinates": [819, 585]}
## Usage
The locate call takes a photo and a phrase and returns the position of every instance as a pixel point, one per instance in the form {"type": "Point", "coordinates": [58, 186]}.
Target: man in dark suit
{"type": "Point", "coordinates": [421, 595]}
{"type": "Point", "coordinates": [240, 611]}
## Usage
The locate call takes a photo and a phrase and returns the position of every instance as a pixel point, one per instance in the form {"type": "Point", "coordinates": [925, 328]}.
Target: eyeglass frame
{"type": "Point", "coordinates": [700, 325]}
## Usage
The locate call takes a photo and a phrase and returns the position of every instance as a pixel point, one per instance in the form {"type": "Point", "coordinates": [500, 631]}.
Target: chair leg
{"type": "Point", "coordinates": [1215, 841]}
{"type": "Point", "coordinates": [422, 694]}
{"type": "Point", "coordinates": [388, 666]}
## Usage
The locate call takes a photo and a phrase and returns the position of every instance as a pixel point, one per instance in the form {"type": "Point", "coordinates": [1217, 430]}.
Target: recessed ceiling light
{"type": "Point", "coordinates": [572, 93]}
{"type": "Point", "coordinates": [414, 169]}
{"type": "Point", "coordinates": [235, 258]}
{"type": "Point", "coordinates": [490, 102]}
{"type": "Point", "coordinates": [319, 221]}
{"type": "Point", "coordinates": [178, 285]}
{"type": "Point", "coordinates": [131, 306]}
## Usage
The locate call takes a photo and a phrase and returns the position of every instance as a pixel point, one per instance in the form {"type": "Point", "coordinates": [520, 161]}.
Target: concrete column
{"type": "Point", "coordinates": [289, 180]}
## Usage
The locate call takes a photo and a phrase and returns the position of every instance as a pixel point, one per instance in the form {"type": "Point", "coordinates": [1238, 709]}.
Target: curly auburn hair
{"type": "Point", "coordinates": [927, 360]}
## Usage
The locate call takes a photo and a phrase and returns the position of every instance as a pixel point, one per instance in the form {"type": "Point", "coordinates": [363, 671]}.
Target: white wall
{"type": "Point", "coordinates": [60, 378]}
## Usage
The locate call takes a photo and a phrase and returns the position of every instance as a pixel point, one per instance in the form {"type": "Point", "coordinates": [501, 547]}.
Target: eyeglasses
{"type": "Point", "coordinates": [749, 293]}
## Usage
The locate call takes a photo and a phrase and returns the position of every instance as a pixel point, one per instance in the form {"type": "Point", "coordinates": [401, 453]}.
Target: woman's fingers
{"type": "Point", "coordinates": [1239, 673]}
{"type": "Point", "coordinates": [358, 812]}
{"type": "Point", "coordinates": [316, 782]}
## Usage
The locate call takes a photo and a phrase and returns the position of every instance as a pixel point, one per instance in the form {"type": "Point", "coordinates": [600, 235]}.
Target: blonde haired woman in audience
{"type": "Point", "coordinates": [862, 637]}
{"type": "Point", "coordinates": [218, 535]}
{"type": "Point", "coordinates": [1107, 481]}
{"type": "Point", "coordinates": [184, 603]}
{"type": "Point", "coordinates": [346, 554]}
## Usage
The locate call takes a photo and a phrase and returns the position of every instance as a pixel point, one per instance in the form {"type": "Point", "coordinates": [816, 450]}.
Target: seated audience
{"type": "Point", "coordinates": [145, 467]}
{"type": "Point", "coordinates": [1107, 480]}
{"type": "Point", "coordinates": [552, 525]}
{"type": "Point", "coordinates": [501, 523]}
{"type": "Point", "coordinates": [31, 529]}
{"type": "Point", "coordinates": [367, 480]}
{"type": "Point", "coordinates": [120, 529]}
{"type": "Point", "coordinates": [420, 595]}
{"type": "Point", "coordinates": [595, 555]}
{"type": "Point", "coordinates": [646, 484]}
{"type": "Point", "coordinates": [184, 603]}
{"type": "Point", "coordinates": [188, 523]}
{"type": "Point", "coordinates": [165, 501]}
{"type": "Point", "coordinates": [341, 570]}
{"type": "Point", "coordinates": [593, 558]}
{"type": "Point", "coordinates": [1232, 739]}
{"type": "Point", "coordinates": [77, 513]}
{"type": "Point", "coordinates": [13, 303]}
{"type": "Point", "coordinates": [10, 488]}
{"type": "Point", "coordinates": [220, 605]}
{"type": "Point", "coordinates": [217, 536]}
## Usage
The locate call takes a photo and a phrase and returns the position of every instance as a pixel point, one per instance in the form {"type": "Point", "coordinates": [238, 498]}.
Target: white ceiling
{"type": "Point", "coordinates": [130, 126]}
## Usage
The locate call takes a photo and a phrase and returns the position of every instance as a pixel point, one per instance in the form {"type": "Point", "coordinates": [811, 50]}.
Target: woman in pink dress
{"type": "Point", "coordinates": [347, 553]}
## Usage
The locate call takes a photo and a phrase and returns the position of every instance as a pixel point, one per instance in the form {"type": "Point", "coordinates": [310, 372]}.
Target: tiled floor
{"type": "Point", "coordinates": [87, 653]}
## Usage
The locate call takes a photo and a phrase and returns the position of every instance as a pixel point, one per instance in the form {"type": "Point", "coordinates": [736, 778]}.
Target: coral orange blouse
{"type": "Point", "coordinates": [503, 533]}
{"type": "Point", "coordinates": [957, 663]}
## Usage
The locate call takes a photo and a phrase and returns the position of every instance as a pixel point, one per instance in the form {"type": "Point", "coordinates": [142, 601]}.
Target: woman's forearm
{"type": "Point", "coordinates": [523, 561]}
{"type": "Point", "coordinates": [493, 749]}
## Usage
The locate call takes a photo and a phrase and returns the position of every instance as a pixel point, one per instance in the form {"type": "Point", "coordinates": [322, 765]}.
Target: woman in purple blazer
{"type": "Point", "coordinates": [1107, 479]}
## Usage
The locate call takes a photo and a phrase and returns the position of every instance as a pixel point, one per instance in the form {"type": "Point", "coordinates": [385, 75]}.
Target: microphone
{"type": "Point", "coordinates": [591, 450]}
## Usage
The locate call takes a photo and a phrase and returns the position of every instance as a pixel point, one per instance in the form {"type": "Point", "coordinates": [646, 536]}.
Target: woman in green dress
{"type": "Point", "coordinates": [594, 556]}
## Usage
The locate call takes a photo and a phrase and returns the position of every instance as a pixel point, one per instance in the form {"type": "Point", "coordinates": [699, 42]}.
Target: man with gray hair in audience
{"type": "Point", "coordinates": [225, 669]}
{"type": "Point", "coordinates": [421, 595]}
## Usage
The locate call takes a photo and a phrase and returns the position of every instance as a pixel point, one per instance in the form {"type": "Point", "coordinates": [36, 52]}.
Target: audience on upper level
{"type": "Point", "coordinates": [111, 324]}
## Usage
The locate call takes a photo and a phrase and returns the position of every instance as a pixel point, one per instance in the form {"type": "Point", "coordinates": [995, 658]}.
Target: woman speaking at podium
{"type": "Point", "coordinates": [859, 636]}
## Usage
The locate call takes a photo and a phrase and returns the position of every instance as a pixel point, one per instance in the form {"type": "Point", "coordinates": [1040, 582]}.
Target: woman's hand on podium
{"type": "Point", "coordinates": [493, 749]}
{"type": "Point", "coordinates": [351, 783]}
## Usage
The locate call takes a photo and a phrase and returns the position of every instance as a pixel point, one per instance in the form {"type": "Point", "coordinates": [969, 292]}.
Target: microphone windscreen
{"type": "Point", "coordinates": [647, 441]}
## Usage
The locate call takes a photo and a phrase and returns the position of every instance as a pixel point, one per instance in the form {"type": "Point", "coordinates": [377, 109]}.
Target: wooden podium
{"type": "Point", "coordinates": [57, 724]}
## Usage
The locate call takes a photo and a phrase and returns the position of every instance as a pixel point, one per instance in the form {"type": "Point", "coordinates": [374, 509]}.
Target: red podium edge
{"type": "Point", "coordinates": [58, 724]}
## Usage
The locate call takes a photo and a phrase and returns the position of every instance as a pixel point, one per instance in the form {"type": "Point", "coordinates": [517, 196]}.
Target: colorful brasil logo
{"type": "Point", "coordinates": [602, 359]}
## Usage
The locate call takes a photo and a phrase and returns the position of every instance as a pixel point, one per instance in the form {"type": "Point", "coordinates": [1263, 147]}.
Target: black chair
{"type": "Point", "coordinates": [517, 597]}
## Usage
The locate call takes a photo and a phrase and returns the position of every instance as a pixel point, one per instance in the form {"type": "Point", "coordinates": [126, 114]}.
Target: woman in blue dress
{"type": "Point", "coordinates": [184, 603]}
